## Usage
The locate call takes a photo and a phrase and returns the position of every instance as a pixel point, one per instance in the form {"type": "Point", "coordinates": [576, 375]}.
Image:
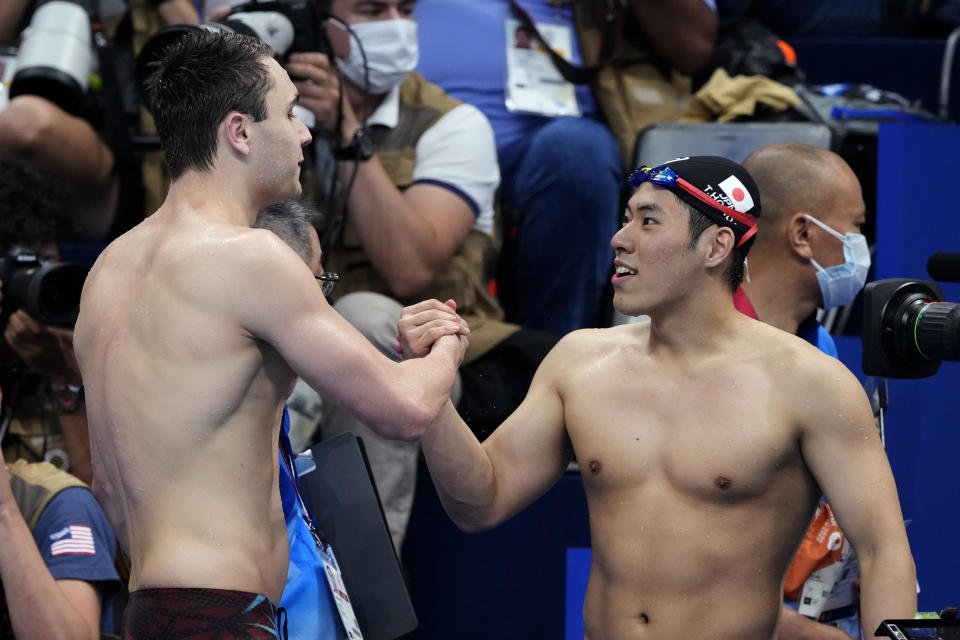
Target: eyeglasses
{"type": "Point", "coordinates": [667, 177]}
{"type": "Point", "coordinates": [328, 282]}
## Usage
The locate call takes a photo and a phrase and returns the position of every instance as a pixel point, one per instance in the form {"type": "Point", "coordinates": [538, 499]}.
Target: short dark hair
{"type": "Point", "coordinates": [33, 207]}
{"type": "Point", "coordinates": [700, 223]}
{"type": "Point", "coordinates": [198, 80]}
{"type": "Point", "coordinates": [290, 220]}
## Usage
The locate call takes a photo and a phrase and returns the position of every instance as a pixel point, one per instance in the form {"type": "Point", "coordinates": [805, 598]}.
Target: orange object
{"type": "Point", "coordinates": [820, 548]}
{"type": "Point", "coordinates": [788, 53]}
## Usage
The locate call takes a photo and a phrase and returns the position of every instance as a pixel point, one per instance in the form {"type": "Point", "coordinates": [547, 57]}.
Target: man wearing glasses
{"type": "Point", "coordinates": [705, 438]}
{"type": "Point", "coordinates": [307, 598]}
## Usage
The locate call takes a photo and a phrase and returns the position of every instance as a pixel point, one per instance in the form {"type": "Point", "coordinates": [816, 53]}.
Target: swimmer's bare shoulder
{"type": "Point", "coordinates": [798, 366]}
{"type": "Point", "coordinates": [591, 351]}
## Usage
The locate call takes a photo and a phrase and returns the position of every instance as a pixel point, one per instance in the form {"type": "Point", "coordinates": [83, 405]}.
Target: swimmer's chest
{"type": "Point", "coordinates": [715, 438]}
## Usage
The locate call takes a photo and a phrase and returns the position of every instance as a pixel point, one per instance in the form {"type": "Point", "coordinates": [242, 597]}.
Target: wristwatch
{"type": "Point", "coordinates": [67, 397]}
{"type": "Point", "coordinates": [360, 149]}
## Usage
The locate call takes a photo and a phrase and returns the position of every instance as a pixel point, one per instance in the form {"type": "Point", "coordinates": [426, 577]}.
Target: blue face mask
{"type": "Point", "coordinates": [841, 283]}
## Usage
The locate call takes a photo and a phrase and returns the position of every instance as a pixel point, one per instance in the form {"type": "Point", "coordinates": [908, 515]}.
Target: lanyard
{"type": "Point", "coordinates": [286, 451]}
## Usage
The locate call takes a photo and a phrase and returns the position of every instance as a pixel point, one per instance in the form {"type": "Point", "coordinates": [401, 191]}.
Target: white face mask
{"type": "Point", "coordinates": [841, 283]}
{"type": "Point", "coordinates": [391, 49]}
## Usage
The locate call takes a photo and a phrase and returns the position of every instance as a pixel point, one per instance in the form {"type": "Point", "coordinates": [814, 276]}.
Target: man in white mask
{"type": "Point", "coordinates": [809, 254]}
{"type": "Point", "coordinates": [406, 176]}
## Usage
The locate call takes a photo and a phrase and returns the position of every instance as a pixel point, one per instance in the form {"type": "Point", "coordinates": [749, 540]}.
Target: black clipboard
{"type": "Point", "coordinates": [341, 495]}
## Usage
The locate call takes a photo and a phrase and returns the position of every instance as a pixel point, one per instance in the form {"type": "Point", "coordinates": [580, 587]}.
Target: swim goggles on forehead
{"type": "Point", "coordinates": [667, 177]}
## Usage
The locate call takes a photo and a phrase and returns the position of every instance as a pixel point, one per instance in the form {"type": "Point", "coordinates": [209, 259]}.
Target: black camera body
{"type": "Point", "coordinates": [49, 291]}
{"type": "Point", "coordinates": [304, 15]}
{"type": "Point", "coordinates": [908, 330]}
{"type": "Point", "coordinates": [288, 26]}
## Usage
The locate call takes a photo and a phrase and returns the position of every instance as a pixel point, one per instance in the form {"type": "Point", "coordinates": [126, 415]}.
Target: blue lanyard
{"type": "Point", "coordinates": [286, 449]}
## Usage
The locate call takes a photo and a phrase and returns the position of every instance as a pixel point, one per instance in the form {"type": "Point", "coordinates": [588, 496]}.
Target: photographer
{"type": "Point", "coordinates": [57, 557]}
{"type": "Point", "coordinates": [62, 140]}
{"type": "Point", "coordinates": [806, 192]}
{"type": "Point", "coordinates": [37, 360]}
{"type": "Point", "coordinates": [410, 201]}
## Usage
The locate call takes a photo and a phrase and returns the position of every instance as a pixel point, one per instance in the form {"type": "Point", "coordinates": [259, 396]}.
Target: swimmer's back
{"type": "Point", "coordinates": [184, 407]}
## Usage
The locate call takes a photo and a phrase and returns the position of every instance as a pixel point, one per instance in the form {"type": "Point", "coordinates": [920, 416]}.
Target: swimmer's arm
{"type": "Point", "coordinates": [796, 626]}
{"type": "Point", "coordinates": [482, 485]}
{"type": "Point", "coordinates": [841, 447]}
{"type": "Point", "coordinates": [285, 307]}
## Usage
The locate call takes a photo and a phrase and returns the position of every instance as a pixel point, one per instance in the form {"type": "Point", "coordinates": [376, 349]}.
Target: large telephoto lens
{"type": "Point", "coordinates": [54, 58]}
{"type": "Point", "coordinates": [935, 327]}
{"type": "Point", "coordinates": [49, 292]}
{"type": "Point", "coordinates": [907, 329]}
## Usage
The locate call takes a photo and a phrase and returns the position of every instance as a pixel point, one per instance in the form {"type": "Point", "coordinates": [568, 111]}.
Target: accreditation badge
{"type": "Point", "coordinates": [534, 85]}
{"type": "Point", "coordinates": [335, 579]}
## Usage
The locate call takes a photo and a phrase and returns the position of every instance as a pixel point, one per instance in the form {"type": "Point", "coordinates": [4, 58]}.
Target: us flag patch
{"type": "Point", "coordinates": [75, 539]}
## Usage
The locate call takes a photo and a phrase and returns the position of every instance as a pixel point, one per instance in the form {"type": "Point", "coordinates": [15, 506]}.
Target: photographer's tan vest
{"type": "Point", "coordinates": [422, 104]}
{"type": "Point", "coordinates": [34, 485]}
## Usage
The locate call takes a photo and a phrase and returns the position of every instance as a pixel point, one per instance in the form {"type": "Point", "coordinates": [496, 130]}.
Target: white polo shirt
{"type": "Point", "coordinates": [457, 153]}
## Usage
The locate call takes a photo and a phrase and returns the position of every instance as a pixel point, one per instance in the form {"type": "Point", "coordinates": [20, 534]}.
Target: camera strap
{"type": "Point", "coordinates": [288, 457]}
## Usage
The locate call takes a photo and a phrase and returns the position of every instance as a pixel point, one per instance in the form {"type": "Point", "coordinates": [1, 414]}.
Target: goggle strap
{"type": "Point", "coordinates": [742, 218]}
{"type": "Point", "coordinates": [749, 234]}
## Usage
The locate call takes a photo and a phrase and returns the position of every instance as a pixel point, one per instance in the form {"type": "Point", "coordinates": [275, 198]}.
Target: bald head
{"type": "Point", "coordinates": [795, 178]}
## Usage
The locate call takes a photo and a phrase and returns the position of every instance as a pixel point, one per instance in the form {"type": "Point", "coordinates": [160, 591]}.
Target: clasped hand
{"type": "Point", "coordinates": [422, 324]}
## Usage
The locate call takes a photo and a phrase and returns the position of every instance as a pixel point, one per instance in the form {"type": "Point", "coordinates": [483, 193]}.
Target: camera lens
{"type": "Point", "coordinates": [50, 292]}
{"type": "Point", "coordinates": [937, 330]}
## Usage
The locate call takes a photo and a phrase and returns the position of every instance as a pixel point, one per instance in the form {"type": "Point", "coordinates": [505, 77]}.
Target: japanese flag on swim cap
{"type": "Point", "coordinates": [727, 186]}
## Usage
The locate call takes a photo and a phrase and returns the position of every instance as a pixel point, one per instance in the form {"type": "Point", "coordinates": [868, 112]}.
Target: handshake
{"type": "Point", "coordinates": [424, 324]}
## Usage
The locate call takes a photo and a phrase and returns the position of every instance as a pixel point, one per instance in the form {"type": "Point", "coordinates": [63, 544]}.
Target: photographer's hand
{"type": "Point", "coordinates": [48, 351]}
{"type": "Point", "coordinates": [319, 85]}
{"type": "Point", "coordinates": [45, 350]}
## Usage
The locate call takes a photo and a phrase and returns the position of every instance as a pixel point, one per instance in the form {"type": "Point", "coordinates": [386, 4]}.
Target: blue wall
{"type": "Point", "coordinates": [918, 213]}
{"type": "Point", "coordinates": [513, 581]}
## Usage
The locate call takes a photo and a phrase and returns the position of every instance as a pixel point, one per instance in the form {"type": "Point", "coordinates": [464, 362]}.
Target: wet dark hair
{"type": "Point", "coordinates": [200, 79]}
{"type": "Point", "coordinates": [700, 223]}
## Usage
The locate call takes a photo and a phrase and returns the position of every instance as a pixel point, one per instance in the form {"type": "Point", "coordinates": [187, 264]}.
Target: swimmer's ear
{"type": "Point", "coordinates": [721, 245]}
{"type": "Point", "coordinates": [236, 130]}
{"type": "Point", "coordinates": [798, 231]}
